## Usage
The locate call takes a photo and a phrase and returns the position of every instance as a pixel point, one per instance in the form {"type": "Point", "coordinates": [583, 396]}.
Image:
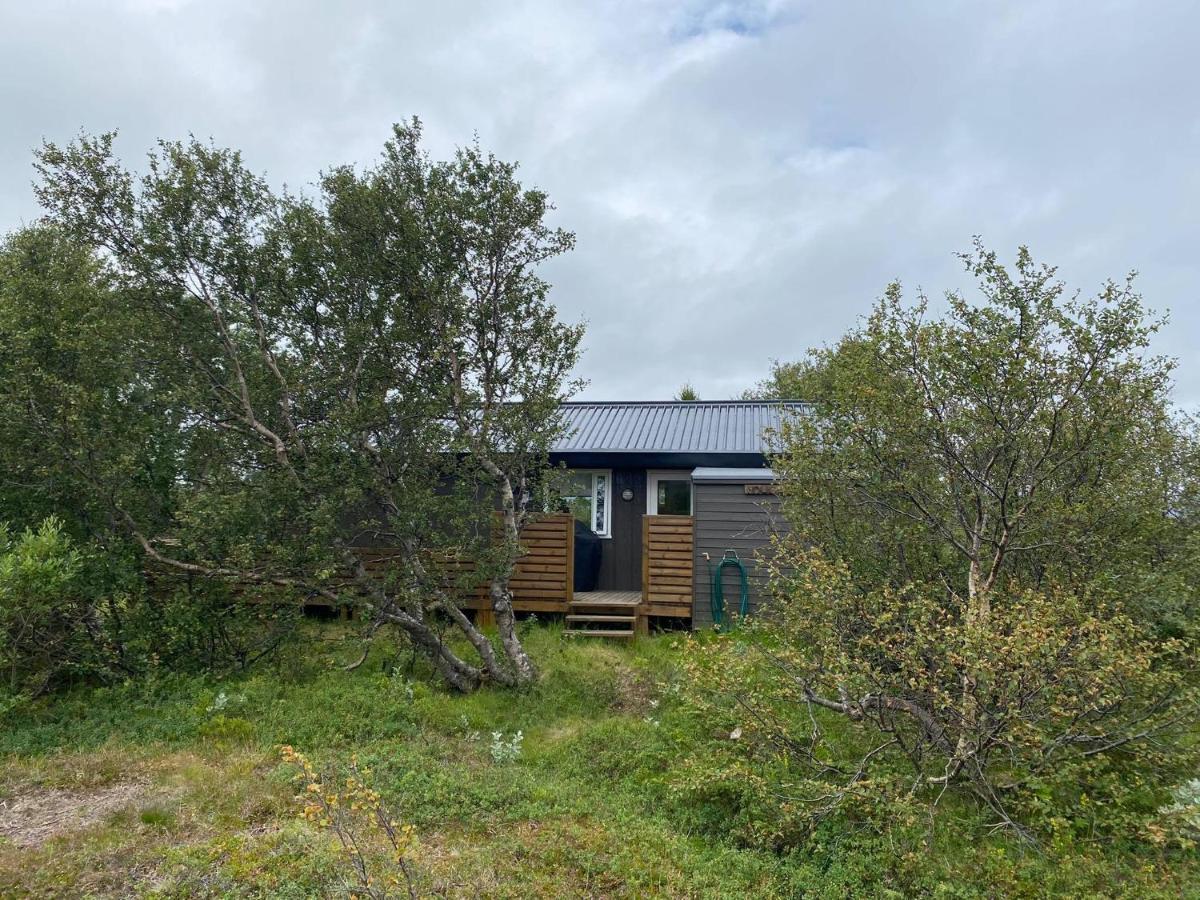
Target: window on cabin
{"type": "Point", "coordinates": [587, 495]}
{"type": "Point", "coordinates": [669, 493]}
{"type": "Point", "coordinates": [674, 497]}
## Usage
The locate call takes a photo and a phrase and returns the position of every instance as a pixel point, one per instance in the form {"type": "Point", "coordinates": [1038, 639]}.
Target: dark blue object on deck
{"type": "Point", "coordinates": [587, 558]}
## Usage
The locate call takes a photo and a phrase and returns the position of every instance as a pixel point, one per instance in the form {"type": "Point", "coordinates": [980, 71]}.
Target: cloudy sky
{"type": "Point", "coordinates": [744, 177]}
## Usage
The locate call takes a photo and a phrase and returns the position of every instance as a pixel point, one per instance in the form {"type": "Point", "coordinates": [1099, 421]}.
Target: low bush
{"type": "Point", "coordinates": [73, 613]}
{"type": "Point", "coordinates": [48, 625]}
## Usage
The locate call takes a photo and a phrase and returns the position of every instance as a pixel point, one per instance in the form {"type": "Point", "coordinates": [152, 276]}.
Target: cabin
{"type": "Point", "coordinates": [655, 496]}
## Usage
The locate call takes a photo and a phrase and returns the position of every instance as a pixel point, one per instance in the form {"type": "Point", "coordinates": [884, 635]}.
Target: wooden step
{"type": "Point", "coordinates": [606, 604]}
{"type": "Point", "coordinates": [598, 632]}
{"type": "Point", "coordinates": [578, 618]}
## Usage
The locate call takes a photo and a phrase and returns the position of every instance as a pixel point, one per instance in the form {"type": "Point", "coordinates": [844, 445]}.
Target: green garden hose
{"type": "Point", "coordinates": [718, 589]}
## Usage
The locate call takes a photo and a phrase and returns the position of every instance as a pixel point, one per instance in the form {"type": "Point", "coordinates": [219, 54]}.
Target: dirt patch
{"type": "Point", "coordinates": [635, 692]}
{"type": "Point", "coordinates": [31, 819]}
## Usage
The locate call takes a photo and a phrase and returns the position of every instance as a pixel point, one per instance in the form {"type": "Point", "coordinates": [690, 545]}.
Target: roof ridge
{"type": "Point", "coordinates": [681, 402]}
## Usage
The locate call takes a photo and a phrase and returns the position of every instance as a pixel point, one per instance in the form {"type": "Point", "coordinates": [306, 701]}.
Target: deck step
{"type": "Point", "coordinates": [599, 632]}
{"type": "Point", "coordinates": [579, 618]}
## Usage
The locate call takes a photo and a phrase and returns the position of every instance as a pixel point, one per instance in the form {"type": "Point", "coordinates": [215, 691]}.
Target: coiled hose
{"type": "Point", "coordinates": [718, 588]}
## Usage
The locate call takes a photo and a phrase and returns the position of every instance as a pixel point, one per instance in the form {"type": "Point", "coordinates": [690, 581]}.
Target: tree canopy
{"type": "Point", "coordinates": [993, 531]}
{"type": "Point", "coordinates": [267, 381]}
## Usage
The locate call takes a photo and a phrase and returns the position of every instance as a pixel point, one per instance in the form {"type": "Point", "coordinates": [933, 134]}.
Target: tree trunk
{"type": "Point", "coordinates": [491, 665]}
{"type": "Point", "coordinates": [506, 624]}
{"type": "Point", "coordinates": [979, 610]}
{"type": "Point", "coordinates": [500, 592]}
{"type": "Point", "coordinates": [460, 675]}
{"type": "Point", "coordinates": [979, 602]}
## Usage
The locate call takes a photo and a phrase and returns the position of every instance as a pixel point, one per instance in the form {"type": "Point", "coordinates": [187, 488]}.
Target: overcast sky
{"type": "Point", "coordinates": [744, 178]}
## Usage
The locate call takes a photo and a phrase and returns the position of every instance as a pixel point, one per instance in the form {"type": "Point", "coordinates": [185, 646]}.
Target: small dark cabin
{"type": "Point", "coordinates": [660, 484]}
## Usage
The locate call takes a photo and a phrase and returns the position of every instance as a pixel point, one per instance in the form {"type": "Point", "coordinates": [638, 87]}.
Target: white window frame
{"type": "Point", "coordinates": [608, 490]}
{"type": "Point", "coordinates": [653, 476]}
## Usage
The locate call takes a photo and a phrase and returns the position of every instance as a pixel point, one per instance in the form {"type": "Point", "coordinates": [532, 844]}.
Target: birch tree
{"type": "Point", "coordinates": [341, 366]}
{"type": "Point", "coordinates": [992, 512]}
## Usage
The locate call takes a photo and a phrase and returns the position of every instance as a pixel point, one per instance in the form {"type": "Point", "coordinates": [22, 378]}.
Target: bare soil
{"type": "Point", "coordinates": [31, 819]}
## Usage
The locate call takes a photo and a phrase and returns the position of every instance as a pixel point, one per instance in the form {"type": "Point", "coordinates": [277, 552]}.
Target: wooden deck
{"type": "Point", "coordinates": [668, 544]}
{"type": "Point", "coordinates": [544, 578]}
{"type": "Point", "coordinates": [545, 575]}
{"type": "Point", "coordinates": [667, 548]}
{"type": "Point", "coordinates": [607, 598]}
{"type": "Point", "coordinates": [605, 614]}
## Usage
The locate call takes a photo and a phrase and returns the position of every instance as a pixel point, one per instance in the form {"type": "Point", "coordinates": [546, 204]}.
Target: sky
{"type": "Point", "coordinates": [744, 178]}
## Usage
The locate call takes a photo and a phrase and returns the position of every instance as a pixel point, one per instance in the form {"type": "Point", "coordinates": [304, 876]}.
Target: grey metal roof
{"type": "Point", "coordinates": [713, 475]}
{"type": "Point", "coordinates": [730, 426]}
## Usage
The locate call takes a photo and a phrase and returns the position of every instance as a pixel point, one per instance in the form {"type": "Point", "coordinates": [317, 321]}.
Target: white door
{"type": "Point", "coordinates": [669, 492]}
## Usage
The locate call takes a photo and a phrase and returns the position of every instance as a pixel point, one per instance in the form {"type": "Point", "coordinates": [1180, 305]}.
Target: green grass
{"type": "Point", "coordinates": [202, 806]}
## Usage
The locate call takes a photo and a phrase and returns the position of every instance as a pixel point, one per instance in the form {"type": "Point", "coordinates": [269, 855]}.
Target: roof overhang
{"type": "Point", "coordinates": [731, 475]}
{"type": "Point", "coordinates": [657, 459]}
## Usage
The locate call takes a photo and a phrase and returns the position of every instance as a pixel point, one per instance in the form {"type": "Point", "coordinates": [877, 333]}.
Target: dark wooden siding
{"type": "Point", "coordinates": [621, 555]}
{"type": "Point", "coordinates": [727, 518]}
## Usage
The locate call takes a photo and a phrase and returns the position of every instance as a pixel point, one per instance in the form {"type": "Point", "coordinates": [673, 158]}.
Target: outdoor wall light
{"type": "Point", "coordinates": [627, 494]}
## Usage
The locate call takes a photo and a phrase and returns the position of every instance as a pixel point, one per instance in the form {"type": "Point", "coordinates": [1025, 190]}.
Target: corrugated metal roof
{"type": "Point", "coordinates": [731, 426]}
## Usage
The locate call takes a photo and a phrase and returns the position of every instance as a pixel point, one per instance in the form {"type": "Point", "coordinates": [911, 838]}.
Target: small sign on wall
{"type": "Point", "coordinates": [759, 488]}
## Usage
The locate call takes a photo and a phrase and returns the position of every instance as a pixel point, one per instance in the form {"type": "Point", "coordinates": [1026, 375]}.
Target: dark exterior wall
{"type": "Point", "coordinates": [729, 518]}
{"type": "Point", "coordinates": [621, 555]}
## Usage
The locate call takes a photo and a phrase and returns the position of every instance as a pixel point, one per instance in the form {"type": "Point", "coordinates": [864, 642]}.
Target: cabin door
{"type": "Point", "coordinates": [669, 492]}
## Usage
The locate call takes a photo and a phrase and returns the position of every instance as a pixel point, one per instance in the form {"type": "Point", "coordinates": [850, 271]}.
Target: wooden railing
{"type": "Point", "coordinates": [667, 566]}
{"type": "Point", "coordinates": [543, 579]}
{"type": "Point", "coordinates": [545, 576]}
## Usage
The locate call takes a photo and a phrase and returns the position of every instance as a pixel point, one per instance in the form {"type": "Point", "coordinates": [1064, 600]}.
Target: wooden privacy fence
{"type": "Point", "coordinates": [667, 546]}
{"type": "Point", "coordinates": [543, 578]}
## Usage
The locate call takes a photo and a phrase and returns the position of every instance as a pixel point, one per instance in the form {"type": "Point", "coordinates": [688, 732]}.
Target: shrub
{"type": "Point", "coordinates": [70, 612]}
{"type": "Point", "coordinates": [506, 751]}
{"type": "Point", "coordinates": [985, 593]}
{"type": "Point", "coordinates": [354, 812]}
{"type": "Point", "coordinates": [1069, 716]}
{"type": "Point", "coordinates": [197, 625]}
{"type": "Point", "coordinates": [47, 625]}
{"type": "Point", "coordinates": [222, 729]}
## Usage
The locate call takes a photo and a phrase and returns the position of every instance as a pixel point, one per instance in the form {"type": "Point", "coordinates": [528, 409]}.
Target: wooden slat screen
{"type": "Point", "coordinates": [547, 570]}
{"type": "Point", "coordinates": [544, 576]}
{"type": "Point", "coordinates": [667, 543]}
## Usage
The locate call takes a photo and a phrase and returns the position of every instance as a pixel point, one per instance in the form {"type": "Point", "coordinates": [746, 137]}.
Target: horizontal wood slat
{"type": "Point", "coordinates": [674, 610]}
{"type": "Point", "coordinates": [667, 543]}
{"type": "Point", "coordinates": [542, 579]}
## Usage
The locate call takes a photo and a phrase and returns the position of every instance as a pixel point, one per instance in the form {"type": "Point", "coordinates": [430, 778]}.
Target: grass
{"type": "Point", "coordinates": [190, 798]}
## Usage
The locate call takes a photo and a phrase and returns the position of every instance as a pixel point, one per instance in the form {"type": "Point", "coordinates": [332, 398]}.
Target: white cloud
{"type": "Point", "coordinates": [744, 177]}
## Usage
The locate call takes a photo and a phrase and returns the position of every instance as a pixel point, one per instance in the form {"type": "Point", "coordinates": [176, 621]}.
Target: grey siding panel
{"type": "Point", "coordinates": [621, 555]}
{"type": "Point", "coordinates": [727, 518]}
